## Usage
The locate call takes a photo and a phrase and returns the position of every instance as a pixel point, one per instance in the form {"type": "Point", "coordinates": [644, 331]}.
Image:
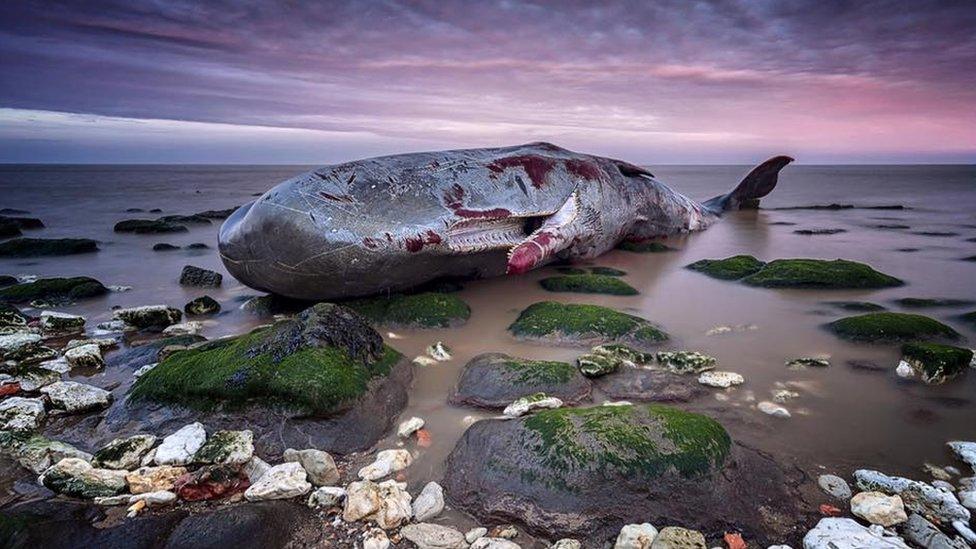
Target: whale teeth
{"type": "Point", "coordinates": [480, 235]}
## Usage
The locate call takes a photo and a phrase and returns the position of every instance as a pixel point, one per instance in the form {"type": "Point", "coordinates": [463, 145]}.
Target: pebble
{"type": "Point", "coordinates": [375, 538]}
{"type": "Point", "coordinates": [424, 361]}
{"type": "Point", "coordinates": [636, 536]}
{"type": "Point", "coordinates": [674, 537]}
{"type": "Point", "coordinates": [326, 496]}
{"type": "Point", "coordinates": [834, 486]}
{"type": "Point", "coordinates": [905, 370]}
{"type": "Point", "coordinates": [879, 508]}
{"type": "Point", "coordinates": [319, 465]}
{"type": "Point", "coordinates": [567, 543]}
{"type": "Point", "coordinates": [473, 534]}
{"type": "Point", "coordinates": [439, 352]}
{"type": "Point", "coordinates": [720, 379]}
{"type": "Point", "coordinates": [387, 462]}
{"type": "Point", "coordinates": [179, 447]}
{"type": "Point", "coordinates": [409, 427]}
{"type": "Point", "coordinates": [494, 543]}
{"type": "Point", "coordinates": [433, 536]}
{"type": "Point", "coordinates": [773, 409]}
{"type": "Point", "coordinates": [429, 503]}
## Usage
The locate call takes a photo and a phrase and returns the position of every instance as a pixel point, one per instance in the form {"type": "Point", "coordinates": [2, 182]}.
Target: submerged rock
{"type": "Point", "coordinates": [149, 316]}
{"type": "Point", "coordinates": [932, 302]}
{"type": "Point", "coordinates": [124, 453]}
{"type": "Point", "coordinates": [644, 247]}
{"type": "Point", "coordinates": [423, 310]}
{"type": "Point", "coordinates": [722, 380]}
{"type": "Point", "coordinates": [773, 409]}
{"type": "Point", "coordinates": [857, 306]}
{"type": "Point", "coordinates": [891, 327]}
{"type": "Point", "coordinates": [588, 284]}
{"type": "Point", "coordinates": [195, 276]}
{"type": "Point", "coordinates": [494, 380]}
{"type": "Point", "coordinates": [53, 289]}
{"type": "Point", "coordinates": [164, 247]}
{"type": "Point", "coordinates": [204, 305]}
{"type": "Point", "coordinates": [844, 533]}
{"type": "Point", "coordinates": [37, 247]}
{"type": "Point", "coordinates": [577, 324]}
{"type": "Point", "coordinates": [77, 478]}
{"type": "Point", "coordinates": [796, 273]}
{"type": "Point", "coordinates": [36, 452]}
{"type": "Point", "coordinates": [936, 363]}
{"type": "Point", "coordinates": [649, 385]}
{"type": "Point", "coordinates": [148, 226]}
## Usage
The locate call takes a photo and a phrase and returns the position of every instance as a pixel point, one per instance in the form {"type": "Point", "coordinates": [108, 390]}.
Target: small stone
{"type": "Point", "coordinates": [567, 543]}
{"type": "Point", "coordinates": [905, 370]}
{"type": "Point", "coordinates": [494, 543]}
{"type": "Point", "coordinates": [283, 481]}
{"type": "Point", "coordinates": [74, 397]}
{"type": "Point", "coordinates": [204, 305]}
{"type": "Point", "coordinates": [154, 479]}
{"type": "Point", "coordinates": [255, 468]}
{"type": "Point", "coordinates": [326, 496]}
{"type": "Point", "coordinates": [135, 508]}
{"type": "Point", "coordinates": [230, 447]}
{"type": "Point", "coordinates": [936, 472]}
{"type": "Point", "coordinates": [387, 462]}
{"type": "Point", "coordinates": [143, 370]}
{"type": "Point", "coordinates": [439, 352]}
{"type": "Point", "coordinates": [179, 447]}
{"type": "Point", "coordinates": [424, 361]}
{"type": "Point", "coordinates": [525, 404]}
{"type": "Point", "coordinates": [782, 396]}
{"type": "Point", "coordinates": [77, 478]}
{"type": "Point", "coordinates": [834, 486]}
{"type": "Point", "coordinates": [773, 409]}
{"type": "Point", "coordinates": [503, 531]}
{"type": "Point", "coordinates": [111, 501]}
{"type": "Point", "coordinates": [674, 537]}
{"type": "Point", "coordinates": [433, 536]}
{"type": "Point", "coordinates": [636, 536]}
{"type": "Point", "coordinates": [409, 427]}
{"type": "Point", "coordinates": [319, 465]}
{"type": "Point", "coordinates": [149, 316]}
{"type": "Point", "coordinates": [965, 450]}
{"type": "Point", "coordinates": [123, 453]}
{"type": "Point", "coordinates": [155, 499]}
{"type": "Point", "coordinates": [878, 508]}
{"type": "Point", "coordinates": [55, 323]}
{"type": "Point", "coordinates": [375, 538]}
{"type": "Point", "coordinates": [387, 503]}
{"type": "Point", "coordinates": [85, 356]}
{"type": "Point", "coordinates": [109, 327]}
{"type": "Point", "coordinates": [190, 327]}
{"type": "Point", "coordinates": [471, 535]}
{"type": "Point", "coordinates": [429, 503]}
{"type": "Point", "coordinates": [723, 380]}
{"type": "Point", "coordinates": [195, 276]}
{"type": "Point", "coordinates": [822, 361]}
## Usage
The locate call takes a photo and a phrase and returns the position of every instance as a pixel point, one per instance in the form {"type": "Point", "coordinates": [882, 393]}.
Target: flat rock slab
{"type": "Point", "coordinates": [647, 385]}
{"type": "Point", "coordinates": [494, 380]}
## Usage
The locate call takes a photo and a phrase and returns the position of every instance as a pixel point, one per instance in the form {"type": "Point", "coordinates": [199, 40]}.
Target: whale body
{"type": "Point", "coordinates": [395, 222]}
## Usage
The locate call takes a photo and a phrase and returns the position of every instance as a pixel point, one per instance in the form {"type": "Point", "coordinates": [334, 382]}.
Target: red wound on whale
{"type": "Point", "coordinates": [536, 167]}
{"type": "Point", "coordinates": [415, 244]}
{"type": "Point", "coordinates": [453, 198]}
{"type": "Point", "coordinates": [583, 169]}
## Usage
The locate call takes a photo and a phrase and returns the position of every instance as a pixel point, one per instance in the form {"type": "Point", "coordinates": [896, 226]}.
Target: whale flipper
{"type": "Point", "coordinates": [760, 182]}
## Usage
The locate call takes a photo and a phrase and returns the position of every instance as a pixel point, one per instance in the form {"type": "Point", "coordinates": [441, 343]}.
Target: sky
{"type": "Point", "coordinates": [135, 81]}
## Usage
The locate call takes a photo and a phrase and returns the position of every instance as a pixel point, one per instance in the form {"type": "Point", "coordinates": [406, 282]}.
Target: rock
{"type": "Point", "coordinates": [424, 361]}
{"type": "Point", "coordinates": [32, 378]}
{"type": "Point", "coordinates": [24, 348]}
{"type": "Point", "coordinates": [644, 247]}
{"type": "Point", "coordinates": [101, 342]}
{"type": "Point", "coordinates": [494, 543]}
{"type": "Point", "coordinates": [504, 531]}
{"type": "Point", "coordinates": [55, 323]}
{"type": "Point", "coordinates": [835, 486]}
{"type": "Point", "coordinates": [375, 538]}
{"type": "Point", "coordinates": [878, 508]}
{"type": "Point", "coordinates": [494, 380]}
{"type": "Point", "coordinates": [966, 451]}
{"type": "Point", "coordinates": [192, 327]}
{"type": "Point", "coordinates": [195, 276]}
{"type": "Point", "coordinates": [11, 319]}
{"type": "Point", "coordinates": [433, 536]}
{"type": "Point", "coordinates": [936, 363]}
{"type": "Point", "coordinates": [803, 362]}
{"type": "Point", "coordinates": [904, 370]}
{"type": "Point", "coordinates": [773, 409]}
{"type": "Point", "coordinates": [410, 427]}
{"type": "Point", "coordinates": [685, 362]}
{"type": "Point", "coordinates": [35, 452]}
{"type": "Point", "coordinates": [143, 370]}
{"type": "Point", "coordinates": [673, 537]}
{"type": "Point", "coordinates": [649, 384]}
{"type": "Point", "coordinates": [204, 305]}
{"type": "Point", "coordinates": [53, 289]}
{"type": "Point", "coordinates": [796, 273]}
{"type": "Point", "coordinates": [155, 499]}
{"type": "Point", "coordinates": [387, 462]}
{"type": "Point", "coordinates": [255, 468]}
{"type": "Point", "coordinates": [857, 306]}
{"type": "Point", "coordinates": [473, 534]}
{"type": "Point", "coordinates": [567, 543]}
{"type": "Point", "coordinates": [180, 447]}
{"type": "Point", "coordinates": [429, 503]}
{"type": "Point", "coordinates": [73, 397]}
{"type": "Point", "coordinates": [782, 396]}
{"type": "Point", "coordinates": [809, 232]}
{"type": "Point", "coordinates": [37, 247]}
{"type": "Point", "coordinates": [212, 482]}
{"type": "Point", "coordinates": [110, 327]}
{"type": "Point", "coordinates": [110, 501]}
{"type": "Point", "coordinates": [439, 352]}
{"type": "Point", "coordinates": [123, 453]}
{"type": "Point", "coordinates": [722, 380]}
{"type": "Point", "coordinates": [891, 327]}
{"type": "Point", "coordinates": [164, 247]}
{"type": "Point", "coordinates": [77, 478]}
{"type": "Point", "coordinates": [925, 534]}
{"type": "Point", "coordinates": [226, 447]}
{"type": "Point", "coordinates": [85, 356]}
{"type": "Point", "coordinates": [918, 497]}
{"type": "Point", "coordinates": [283, 481]}
{"type": "Point", "coordinates": [148, 226]}
{"type": "Point", "coordinates": [636, 536]}
{"type": "Point", "coordinates": [587, 284]}
{"type": "Point", "coordinates": [326, 496]}
{"type": "Point", "coordinates": [844, 533]}
{"type": "Point", "coordinates": [936, 472]}
{"type": "Point", "coordinates": [573, 323]}
{"type": "Point", "coordinates": [387, 503]}
{"type": "Point", "coordinates": [149, 316]}
{"type": "Point", "coordinates": [421, 310]}
{"type": "Point", "coordinates": [153, 479]}
{"type": "Point", "coordinates": [319, 465]}
{"type": "Point", "coordinates": [197, 246]}
{"type": "Point", "coordinates": [537, 401]}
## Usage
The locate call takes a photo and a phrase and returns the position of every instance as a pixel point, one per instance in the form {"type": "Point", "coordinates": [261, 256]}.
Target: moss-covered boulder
{"type": "Point", "coordinates": [422, 310]}
{"type": "Point", "coordinates": [644, 247]}
{"type": "Point", "coordinates": [584, 472]}
{"type": "Point", "coordinates": [36, 247]}
{"type": "Point", "coordinates": [607, 271]}
{"type": "Point", "coordinates": [149, 317]}
{"type": "Point", "coordinates": [148, 226]}
{"type": "Point", "coordinates": [75, 477]}
{"type": "Point", "coordinates": [495, 380]}
{"type": "Point", "coordinates": [48, 289]}
{"type": "Point", "coordinates": [936, 363]}
{"type": "Point", "coordinates": [796, 273]}
{"type": "Point", "coordinates": [584, 325]}
{"type": "Point", "coordinates": [891, 327]}
{"type": "Point", "coordinates": [606, 359]}
{"type": "Point", "coordinates": [932, 302]}
{"type": "Point", "coordinates": [317, 363]}
{"type": "Point", "coordinates": [588, 284]}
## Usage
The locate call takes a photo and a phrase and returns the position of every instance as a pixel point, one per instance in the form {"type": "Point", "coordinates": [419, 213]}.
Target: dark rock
{"type": "Point", "coordinates": [819, 231]}
{"type": "Point", "coordinates": [24, 223]}
{"type": "Point", "coordinates": [587, 284]}
{"type": "Point", "coordinates": [935, 233]}
{"type": "Point", "coordinates": [932, 302]}
{"type": "Point", "coordinates": [891, 226]}
{"type": "Point", "coordinates": [53, 289]}
{"type": "Point", "coordinates": [867, 366]}
{"type": "Point", "coordinates": [11, 317]}
{"type": "Point", "coordinates": [267, 524]}
{"type": "Point", "coordinates": [164, 247]}
{"type": "Point", "coordinates": [7, 280]}
{"type": "Point", "coordinates": [13, 211]}
{"type": "Point", "coordinates": [936, 363]}
{"type": "Point", "coordinates": [648, 385]}
{"type": "Point", "coordinates": [607, 271]}
{"type": "Point", "coordinates": [644, 247]}
{"type": "Point", "coordinates": [197, 246]}
{"type": "Point", "coordinates": [134, 210]}
{"type": "Point", "coordinates": [494, 380]}
{"type": "Point", "coordinates": [423, 310]}
{"type": "Point", "coordinates": [217, 214]}
{"type": "Point", "coordinates": [783, 223]}
{"type": "Point", "coordinates": [9, 228]}
{"type": "Point", "coordinates": [147, 353]}
{"type": "Point", "coordinates": [195, 276]}
{"type": "Point", "coordinates": [148, 226]}
{"type": "Point", "coordinates": [836, 206]}
{"type": "Point", "coordinates": [190, 219]}
{"type": "Point", "coordinates": [796, 273]}
{"type": "Point", "coordinates": [204, 305]}
{"type": "Point", "coordinates": [859, 306]}
{"type": "Point", "coordinates": [155, 210]}
{"type": "Point", "coordinates": [34, 247]}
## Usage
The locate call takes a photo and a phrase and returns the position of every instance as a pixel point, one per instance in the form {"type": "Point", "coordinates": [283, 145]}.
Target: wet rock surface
{"type": "Point", "coordinates": [494, 380]}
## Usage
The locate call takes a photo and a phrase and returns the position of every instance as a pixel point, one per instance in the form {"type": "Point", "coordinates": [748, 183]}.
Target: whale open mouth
{"type": "Point", "coordinates": [479, 235]}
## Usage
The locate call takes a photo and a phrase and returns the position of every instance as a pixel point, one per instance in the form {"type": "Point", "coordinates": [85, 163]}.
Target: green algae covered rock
{"type": "Point", "coordinates": [52, 289]}
{"type": "Point", "coordinates": [583, 324]}
{"type": "Point", "coordinates": [796, 273]}
{"type": "Point", "coordinates": [423, 310]}
{"type": "Point", "coordinates": [588, 284]}
{"type": "Point", "coordinates": [606, 359]}
{"type": "Point", "coordinates": [607, 271]}
{"type": "Point", "coordinates": [36, 452]}
{"type": "Point", "coordinates": [123, 453]}
{"type": "Point", "coordinates": [36, 247]}
{"type": "Point", "coordinates": [316, 363]}
{"type": "Point", "coordinates": [891, 327]}
{"type": "Point", "coordinates": [495, 380]}
{"type": "Point", "coordinates": [931, 302]}
{"type": "Point", "coordinates": [936, 363]}
{"type": "Point", "coordinates": [75, 477]}
{"type": "Point", "coordinates": [644, 247]}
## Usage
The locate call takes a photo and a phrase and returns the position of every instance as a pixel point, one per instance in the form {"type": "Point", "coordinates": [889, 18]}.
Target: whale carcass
{"type": "Point", "coordinates": [395, 222]}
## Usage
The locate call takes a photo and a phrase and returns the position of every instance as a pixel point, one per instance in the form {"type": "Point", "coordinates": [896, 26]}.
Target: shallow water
{"type": "Point", "coordinates": [845, 418]}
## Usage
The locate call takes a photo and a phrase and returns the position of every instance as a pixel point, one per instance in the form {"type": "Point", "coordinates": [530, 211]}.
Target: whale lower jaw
{"type": "Point", "coordinates": [479, 235]}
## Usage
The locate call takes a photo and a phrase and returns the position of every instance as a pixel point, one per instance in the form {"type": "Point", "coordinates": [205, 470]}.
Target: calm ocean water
{"type": "Point", "coordinates": [844, 418]}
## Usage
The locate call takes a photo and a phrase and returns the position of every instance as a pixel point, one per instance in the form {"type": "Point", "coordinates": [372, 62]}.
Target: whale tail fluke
{"type": "Point", "coordinates": [760, 182]}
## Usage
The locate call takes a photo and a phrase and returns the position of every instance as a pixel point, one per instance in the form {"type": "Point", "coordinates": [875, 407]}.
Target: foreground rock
{"type": "Point", "coordinates": [584, 472]}
{"type": "Point", "coordinates": [579, 324]}
{"type": "Point", "coordinates": [891, 327]}
{"type": "Point", "coordinates": [795, 273]}
{"type": "Point", "coordinates": [386, 503]}
{"type": "Point", "coordinates": [283, 481]}
{"type": "Point", "coordinates": [149, 317]}
{"type": "Point", "coordinates": [35, 452]}
{"type": "Point", "coordinates": [77, 478]}
{"type": "Point", "coordinates": [844, 533]}
{"type": "Point", "coordinates": [319, 465]}
{"type": "Point", "coordinates": [935, 363]}
{"type": "Point", "coordinates": [386, 463]}
{"type": "Point", "coordinates": [124, 453]}
{"type": "Point", "coordinates": [636, 536]}
{"type": "Point", "coordinates": [21, 414]}
{"type": "Point", "coordinates": [180, 447]}
{"type": "Point", "coordinates": [422, 310]}
{"type": "Point", "coordinates": [204, 305]}
{"type": "Point", "coordinates": [53, 289]}
{"type": "Point", "coordinates": [494, 380]}
{"type": "Point", "coordinates": [918, 497]}
{"type": "Point", "coordinates": [36, 247]}
{"type": "Point", "coordinates": [73, 397]}
{"type": "Point", "coordinates": [878, 508]}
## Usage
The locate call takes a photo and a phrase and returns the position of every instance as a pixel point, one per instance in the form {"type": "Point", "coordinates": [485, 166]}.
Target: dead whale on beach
{"type": "Point", "coordinates": [395, 222]}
